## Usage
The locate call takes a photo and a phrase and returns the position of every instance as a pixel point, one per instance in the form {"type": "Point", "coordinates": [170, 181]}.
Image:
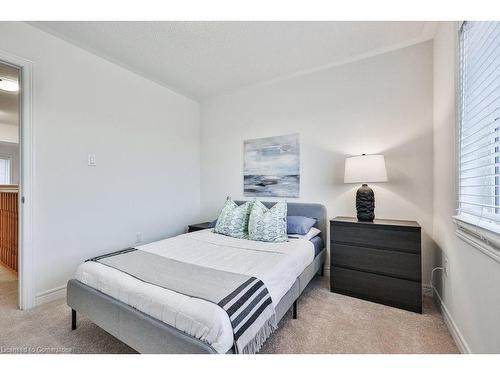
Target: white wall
{"type": "Point", "coordinates": [146, 141]}
{"type": "Point", "coordinates": [382, 104]}
{"type": "Point", "coordinates": [9, 133]}
{"type": "Point", "coordinates": [470, 291]}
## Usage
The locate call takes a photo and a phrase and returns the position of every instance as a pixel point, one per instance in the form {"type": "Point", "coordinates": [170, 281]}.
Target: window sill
{"type": "Point", "coordinates": [486, 241]}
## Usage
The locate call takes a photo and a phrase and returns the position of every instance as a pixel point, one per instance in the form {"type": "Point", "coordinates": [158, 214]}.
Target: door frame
{"type": "Point", "coordinates": [26, 269]}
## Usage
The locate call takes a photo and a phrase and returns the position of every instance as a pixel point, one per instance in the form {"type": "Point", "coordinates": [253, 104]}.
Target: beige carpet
{"type": "Point", "coordinates": [6, 274]}
{"type": "Point", "coordinates": [328, 323]}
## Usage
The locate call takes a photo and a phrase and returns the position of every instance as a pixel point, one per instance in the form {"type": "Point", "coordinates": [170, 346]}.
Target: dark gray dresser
{"type": "Point", "coordinates": [379, 261]}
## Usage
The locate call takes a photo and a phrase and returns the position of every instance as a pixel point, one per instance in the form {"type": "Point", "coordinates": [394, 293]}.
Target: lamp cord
{"type": "Point", "coordinates": [432, 276]}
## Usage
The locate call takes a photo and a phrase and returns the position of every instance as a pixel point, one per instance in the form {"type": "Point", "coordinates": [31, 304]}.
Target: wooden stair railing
{"type": "Point", "coordinates": [9, 227]}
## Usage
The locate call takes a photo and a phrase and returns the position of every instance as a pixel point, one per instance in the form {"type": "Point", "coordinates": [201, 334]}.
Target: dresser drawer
{"type": "Point", "coordinates": [403, 240]}
{"type": "Point", "coordinates": [387, 262]}
{"type": "Point", "coordinates": [377, 288]}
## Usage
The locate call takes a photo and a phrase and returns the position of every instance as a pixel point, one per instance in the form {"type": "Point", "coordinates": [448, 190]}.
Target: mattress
{"type": "Point", "coordinates": [202, 319]}
{"type": "Point", "coordinates": [318, 245]}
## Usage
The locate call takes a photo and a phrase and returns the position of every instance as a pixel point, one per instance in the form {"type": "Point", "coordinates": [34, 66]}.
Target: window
{"type": "Point", "coordinates": [4, 170]}
{"type": "Point", "coordinates": [479, 125]}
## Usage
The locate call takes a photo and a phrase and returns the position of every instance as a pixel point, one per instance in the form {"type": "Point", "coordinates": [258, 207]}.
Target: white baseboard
{"type": "Point", "coordinates": [50, 295]}
{"type": "Point", "coordinates": [452, 326]}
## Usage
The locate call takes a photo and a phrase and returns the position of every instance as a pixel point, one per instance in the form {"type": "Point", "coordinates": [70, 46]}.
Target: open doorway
{"type": "Point", "coordinates": [9, 184]}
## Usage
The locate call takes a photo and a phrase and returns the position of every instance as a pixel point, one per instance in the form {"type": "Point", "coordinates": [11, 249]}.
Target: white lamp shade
{"type": "Point", "coordinates": [365, 168]}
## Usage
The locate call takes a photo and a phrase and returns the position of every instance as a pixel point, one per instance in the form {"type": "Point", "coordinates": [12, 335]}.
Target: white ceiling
{"type": "Point", "coordinates": [201, 59]}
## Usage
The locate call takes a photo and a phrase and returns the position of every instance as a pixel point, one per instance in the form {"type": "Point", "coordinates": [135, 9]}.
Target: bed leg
{"type": "Point", "coordinates": [73, 319]}
{"type": "Point", "coordinates": [295, 310]}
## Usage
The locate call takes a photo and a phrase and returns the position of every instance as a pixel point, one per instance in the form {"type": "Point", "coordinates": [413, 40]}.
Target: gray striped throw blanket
{"type": "Point", "coordinates": [245, 299]}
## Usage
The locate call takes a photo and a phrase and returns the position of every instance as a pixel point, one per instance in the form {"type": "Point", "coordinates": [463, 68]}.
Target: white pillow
{"type": "Point", "coordinates": [313, 232]}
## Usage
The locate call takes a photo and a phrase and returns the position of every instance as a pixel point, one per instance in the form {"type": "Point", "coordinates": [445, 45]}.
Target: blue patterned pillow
{"type": "Point", "coordinates": [268, 224]}
{"type": "Point", "coordinates": [233, 219]}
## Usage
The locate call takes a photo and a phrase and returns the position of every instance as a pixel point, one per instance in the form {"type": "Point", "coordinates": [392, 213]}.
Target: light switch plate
{"type": "Point", "coordinates": [91, 160]}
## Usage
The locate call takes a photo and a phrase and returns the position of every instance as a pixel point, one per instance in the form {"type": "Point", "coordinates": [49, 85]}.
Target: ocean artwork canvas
{"type": "Point", "coordinates": [272, 167]}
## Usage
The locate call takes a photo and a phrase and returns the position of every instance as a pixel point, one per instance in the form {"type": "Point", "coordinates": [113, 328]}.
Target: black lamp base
{"type": "Point", "coordinates": [365, 203]}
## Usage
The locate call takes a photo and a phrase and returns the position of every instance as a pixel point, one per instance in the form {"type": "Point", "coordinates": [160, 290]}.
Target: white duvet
{"type": "Point", "coordinates": [277, 264]}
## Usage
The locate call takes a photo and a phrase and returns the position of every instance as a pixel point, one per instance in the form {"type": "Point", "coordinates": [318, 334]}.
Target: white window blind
{"type": "Point", "coordinates": [479, 135]}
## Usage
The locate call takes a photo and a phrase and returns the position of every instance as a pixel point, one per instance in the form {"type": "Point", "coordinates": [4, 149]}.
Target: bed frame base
{"type": "Point", "coordinates": [149, 335]}
{"type": "Point", "coordinates": [146, 334]}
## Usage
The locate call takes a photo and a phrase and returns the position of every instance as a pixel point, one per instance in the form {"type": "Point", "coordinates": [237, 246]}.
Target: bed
{"type": "Point", "coordinates": [154, 320]}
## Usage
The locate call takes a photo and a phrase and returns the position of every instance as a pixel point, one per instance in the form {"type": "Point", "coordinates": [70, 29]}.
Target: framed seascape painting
{"type": "Point", "coordinates": [272, 166]}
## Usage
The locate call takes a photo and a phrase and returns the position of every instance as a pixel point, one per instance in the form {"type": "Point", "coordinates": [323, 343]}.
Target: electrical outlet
{"type": "Point", "coordinates": [446, 266]}
{"type": "Point", "coordinates": [138, 237]}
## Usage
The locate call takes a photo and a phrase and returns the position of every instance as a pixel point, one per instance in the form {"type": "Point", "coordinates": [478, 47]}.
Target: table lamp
{"type": "Point", "coordinates": [364, 169]}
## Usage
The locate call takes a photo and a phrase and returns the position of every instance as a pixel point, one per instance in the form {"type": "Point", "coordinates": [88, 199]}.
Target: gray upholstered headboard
{"type": "Point", "coordinates": [314, 210]}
